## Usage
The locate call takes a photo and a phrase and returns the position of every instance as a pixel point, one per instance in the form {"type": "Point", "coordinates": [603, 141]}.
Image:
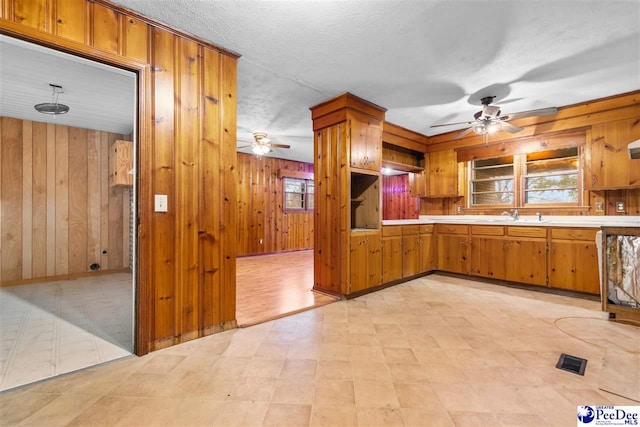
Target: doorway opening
{"type": "Point", "coordinates": [67, 214]}
{"type": "Point", "coordinates": [274, 266]}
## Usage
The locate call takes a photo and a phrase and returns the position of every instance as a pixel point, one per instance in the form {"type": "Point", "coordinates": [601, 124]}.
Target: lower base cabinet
{"type": "Point", "coordinates": [452, 248]}
{"type": "Point", "coordinates": [391, 253]}
{"type": "Point", "coordinates": [573, 260]}
{"type": "Point", "coordinates": [365, 261]}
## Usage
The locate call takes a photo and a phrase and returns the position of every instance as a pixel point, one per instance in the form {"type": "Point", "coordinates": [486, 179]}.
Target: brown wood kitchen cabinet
{"type": "Point", "coordinates": [573, 260]}
{"type": "Point", "coordinates": [366, 144]}
{"type": "Point", "coordinates": [452, 247]}
{"type": "Point", "coordinates": [410, 250]}
{"type": "Point", "coordinates": [427, 246]}
{"type": "Point", "coordinates": [487, 251]}
{"type": "Point", "coordinates": [391, 253]}
{"type": "Point", "coordinates": [365, 260]}
{"type": "Point", "coordinates": [443, 173]}
{"type": "Point", "coordinates": [526, 255]}
{"type": "Point", "coordinates": [610, 166]}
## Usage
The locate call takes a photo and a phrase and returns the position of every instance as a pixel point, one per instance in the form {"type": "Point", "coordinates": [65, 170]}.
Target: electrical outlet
{"type": "Point", "coordinates": [458, 209]}
{"type": "Point", "coordinates": [599, 207]}
{"type": "Point", "coordinates": [620, 207]}
{"type": "Point", "coordinates": [260, 241]}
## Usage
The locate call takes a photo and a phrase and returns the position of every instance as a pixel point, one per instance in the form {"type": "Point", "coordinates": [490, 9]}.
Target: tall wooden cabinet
{"type": "Point", "coordinates": [348, 215]}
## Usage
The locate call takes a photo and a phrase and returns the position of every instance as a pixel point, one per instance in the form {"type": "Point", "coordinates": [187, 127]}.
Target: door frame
{"type": "Point", "coordinates": [143, 277]}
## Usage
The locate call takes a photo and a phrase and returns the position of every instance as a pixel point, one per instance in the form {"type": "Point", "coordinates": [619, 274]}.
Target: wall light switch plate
{"type": "Point", "coordinates": [161, 203]}
{"type": "Point", "coordinates": [599, 207]}
{"type": "Point", "coordinates": [620, 207]}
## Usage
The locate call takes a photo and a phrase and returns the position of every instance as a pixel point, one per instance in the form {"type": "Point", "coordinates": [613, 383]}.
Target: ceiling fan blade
{"type": "Point", "coordinates": [280, 145]}
{"type": "Point", "coordinates": [530, 113]}
{"type": "Point", "coordinates": [464, 132]}
{"type": "Point", "coordinates": [510, 128]}
{"type": "Point", "coordinates": [452, 124]}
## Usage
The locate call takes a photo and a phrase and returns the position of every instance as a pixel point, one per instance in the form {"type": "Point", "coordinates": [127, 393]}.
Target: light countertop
{"type": "Point", "coordinates": [525, 220]}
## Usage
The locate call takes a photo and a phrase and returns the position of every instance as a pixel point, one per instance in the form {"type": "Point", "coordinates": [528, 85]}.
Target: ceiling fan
{"type": "Point", "coordinates": [262, 144]}
{"type": "Point", "coordinates": [491, 120]}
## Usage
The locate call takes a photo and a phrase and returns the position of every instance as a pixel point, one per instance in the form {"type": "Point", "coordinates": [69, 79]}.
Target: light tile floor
{"type": "Point", "coordinates": [436, 351]}
{"type": "Point", "coordinates": [51, 328]}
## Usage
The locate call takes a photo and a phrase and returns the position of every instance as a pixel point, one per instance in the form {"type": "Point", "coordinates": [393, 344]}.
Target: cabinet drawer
{"type": "Point", "coordinates": [391, 230]}
{"type": "Point", "coordinates": [410, 229]}
{"type": "Point", "coordinates": [452, 229]}
{"type": "Point", "coordinates": [487, 230]}
{"type": "Point", "coordinates": [574, 234]}
{"type": "Point", "coordinates": [426, 229]}
{"type": "Point", "coordinates": [527, 231]}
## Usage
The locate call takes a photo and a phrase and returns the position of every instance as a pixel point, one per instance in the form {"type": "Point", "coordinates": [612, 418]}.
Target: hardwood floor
{"type": "Point", "coordinates": [271, 286]}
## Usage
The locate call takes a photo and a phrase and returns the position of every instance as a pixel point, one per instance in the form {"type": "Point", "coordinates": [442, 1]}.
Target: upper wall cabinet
{"type": "Point", "coordinates": [611, 167]}
{"type": "Point", "coordinates": [366, 144]}
{"type": "Point", "coordinates": [121, 164]}
{"type": "Point", "coordinates": [443, 173]}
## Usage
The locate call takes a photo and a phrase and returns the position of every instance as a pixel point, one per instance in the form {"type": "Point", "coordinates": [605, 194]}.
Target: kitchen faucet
{"type": "Point", "coordinates": [515, 215]}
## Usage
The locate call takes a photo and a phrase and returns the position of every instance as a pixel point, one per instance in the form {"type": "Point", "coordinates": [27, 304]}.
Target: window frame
{"type": "Point", "coordinates": [519, 182]}
{"type": "Point", "coordinates": [305, 194]}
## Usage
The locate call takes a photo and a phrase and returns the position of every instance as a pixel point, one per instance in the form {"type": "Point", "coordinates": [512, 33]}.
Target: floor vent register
{"type": "Point", "coordinates": [572, 364]}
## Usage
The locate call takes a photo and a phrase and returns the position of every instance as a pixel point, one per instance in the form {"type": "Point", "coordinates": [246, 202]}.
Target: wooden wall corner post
{"type": "Point", "coordinates": [339, 124]}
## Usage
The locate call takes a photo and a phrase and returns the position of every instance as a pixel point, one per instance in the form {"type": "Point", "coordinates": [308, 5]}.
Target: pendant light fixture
{"type": "Point", "coordinates": [53, 108]}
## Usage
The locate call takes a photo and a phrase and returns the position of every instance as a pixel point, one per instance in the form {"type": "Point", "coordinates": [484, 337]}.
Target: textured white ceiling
{"type": "Point", "coordinates": [99, 97]}
{"type": "Point", "coordinates": [425, 61]}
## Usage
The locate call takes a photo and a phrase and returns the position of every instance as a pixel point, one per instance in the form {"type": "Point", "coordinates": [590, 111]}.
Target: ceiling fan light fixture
{"type": "Point", "coordinates": [53, 108]}
{"type": "Point", "coordinates": [480, 129]}
{"type": "Point", "coordinates": [260, 149]}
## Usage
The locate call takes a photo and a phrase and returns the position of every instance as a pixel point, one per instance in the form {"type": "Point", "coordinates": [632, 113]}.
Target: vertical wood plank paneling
{"type": "Point", "coordinates": [62, 200]}
{"type": "Point", "coordinates": [32, 13]}
{"type": "Point", "coordinates": [261, 212]}
{"type": "Point", "coordinates": [11, 190]}
{"type": "Point", "coordinates": [136, 39]}
{"type": "Point", "coordinates": [27, 198]}
{"type": "Point", "coordinates": [78, 174]}
{"type": "Point", "coordinates": [39, 204]}
{"type": "Point", "coordinates": [105, 28]}
{"type": "Point", "coordinates": [228, 179]}
{"type": "Point", "coordinates": [210, 215]}
{"type": "Point", "coordinates": [93, 197]}
{"type": "Point", "coordinates": [163, 165]}
{"type": "Point", "coordinates": [71, 19]}
{"type": "Point", "coordinates": [105, 256]}
{"type": "Point", "coordinates": [51, 199]}
{"type": "Point", "coordinates": [48, 197]}
{"type": "Point", "coordinates": [397, 202]}
{"type": "Point", "coordinates": [1, 232]}
{"type": "Point", "coordinates": [187, 172]}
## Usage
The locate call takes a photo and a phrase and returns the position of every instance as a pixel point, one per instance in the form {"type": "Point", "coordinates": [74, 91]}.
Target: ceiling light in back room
{"type": "Point", "coordinates": [53, 108]}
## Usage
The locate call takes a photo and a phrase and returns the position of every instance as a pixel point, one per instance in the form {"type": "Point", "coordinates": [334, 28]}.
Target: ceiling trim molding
{"type": "Point", "coordinates": [126, 11]}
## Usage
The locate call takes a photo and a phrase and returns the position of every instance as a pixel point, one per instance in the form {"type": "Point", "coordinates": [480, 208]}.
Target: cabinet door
{"type": "Point", "coordinates": [452, 253]}
{"type": "Point", "coordinates": [359, 255]}
{"type": "Point", "coordinates": [443, 173]}
{"type": "Point", "coordinates": [526, 261]}
{"type": "Point", "coordinates": [610, 163]}
{"type": "Point", "coordinates": [374, 260]}
{"type": "Point", "coordinates": [426, 243]}
{"type": "Point", "coordinates": [410, 255]}
{"type": "Point", "coordinates": [418, 184]}
{"type": "Point", "coordinates": [487, 257]}
{"type": "Point", "coordinates": [574, 266]}
{"type": "Point", "coordinates": [391, 258]}
{"type": "Point", "coordinates": [366, 145]}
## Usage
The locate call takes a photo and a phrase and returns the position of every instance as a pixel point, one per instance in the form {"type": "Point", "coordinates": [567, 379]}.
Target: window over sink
{"type": "Point", "coordinates": [539, 179]}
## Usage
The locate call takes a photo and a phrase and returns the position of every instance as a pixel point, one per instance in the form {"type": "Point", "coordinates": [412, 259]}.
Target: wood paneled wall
{"type": "Point", "coordinates": [397, 203]}
{"type": "Point", "coordinates": [187, 150]}
{"type": "Point", "coordinates": [260, 208]}
{"type": "Point", "coordinates": [58, 215]}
